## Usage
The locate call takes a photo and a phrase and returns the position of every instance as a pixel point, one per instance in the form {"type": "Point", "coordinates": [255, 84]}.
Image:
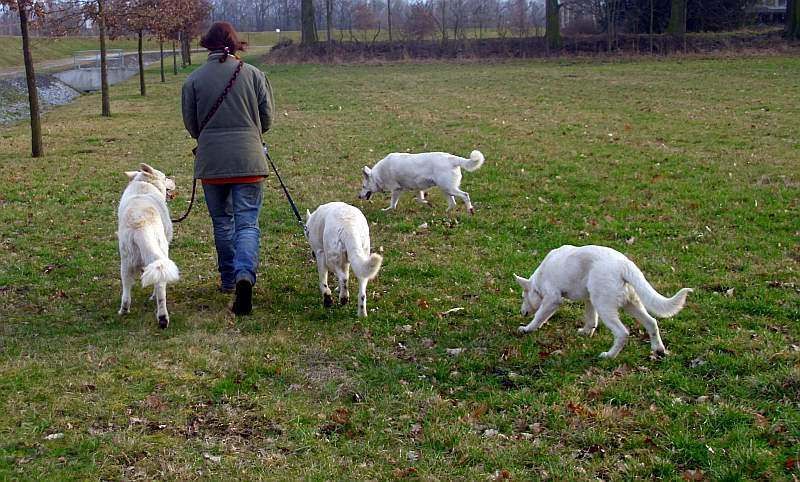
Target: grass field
{"type": "Point", "coordinates": [44, 49]}
{"type": "Point", "coordinates": [690, 167]}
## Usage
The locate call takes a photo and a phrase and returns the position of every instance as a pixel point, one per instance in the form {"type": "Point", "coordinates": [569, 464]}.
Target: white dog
{"type": "Point", "coordinates": [607, 280]}
{"type": "Point", "coordinates": [339, 237]}
{"type": "Point", "coordinates": [400, 172]}
{"type": "Point", "coordinates": [145, 231]}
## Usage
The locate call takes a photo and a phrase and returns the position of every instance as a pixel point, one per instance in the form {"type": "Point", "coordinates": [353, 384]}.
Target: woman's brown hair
{"type": "Point", "coordinates": [222, 36]}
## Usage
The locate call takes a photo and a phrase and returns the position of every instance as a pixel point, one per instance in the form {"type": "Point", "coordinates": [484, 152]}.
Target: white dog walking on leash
{"type": "Point", "coordinates": [607, 280]}
{"type": "Point", "coordinates": [400, 172]}
{"type": "Point", "coordinates": [144, 232]}
{"type": "Point", "coordinates": [339, 237]}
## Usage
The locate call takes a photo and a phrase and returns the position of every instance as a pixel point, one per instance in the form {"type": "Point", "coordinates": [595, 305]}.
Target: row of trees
{"type": "Point", "coordinates": [166, 20]}
{"type": "Point", "coordinates": [445, 19]}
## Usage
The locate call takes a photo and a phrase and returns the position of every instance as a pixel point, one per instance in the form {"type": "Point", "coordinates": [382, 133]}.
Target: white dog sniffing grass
{"type": "Point", "coordinates": [608, 281]}
{"type": "Point", "coordinates": [400, 172]}
{"type": "Point", "coordinates": [339, 237]}
{"type": "Point", "coordinates": [144, 232]}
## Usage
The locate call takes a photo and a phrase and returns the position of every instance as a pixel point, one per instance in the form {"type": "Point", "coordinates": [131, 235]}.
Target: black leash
{"type": "Point", "coordinates": [289, 198]}
{"type": "Point", "coordinates": [286, 191]}
{"type": "Point", "coordinates": [191, 203]}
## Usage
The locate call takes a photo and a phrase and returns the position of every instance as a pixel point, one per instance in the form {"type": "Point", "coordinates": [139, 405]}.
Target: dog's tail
{"type": "Point", "coordinates": [474, 162]}
{"type": "Point", "coordinates": [655, 303]}
{"type": "Point", "coordinates": [162, 270]}
{"type": "Point", "coordinates": [365, 265]}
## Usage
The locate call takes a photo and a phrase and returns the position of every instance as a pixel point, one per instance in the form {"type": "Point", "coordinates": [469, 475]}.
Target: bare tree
{"type": "Point", "coordinates": [793, 19]}
{"type": "Point", "coordinates": [29, 11]}
{"type": "Point", "coordinates": [552, 31]}
{"type": "Point", "coordinates": [308, 21]}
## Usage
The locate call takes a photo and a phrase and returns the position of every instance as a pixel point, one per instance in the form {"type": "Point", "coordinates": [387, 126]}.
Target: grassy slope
{"type": "Point", "coordinates": [689, 167]}
{"type": "Point", "coordinates": [44, 49]}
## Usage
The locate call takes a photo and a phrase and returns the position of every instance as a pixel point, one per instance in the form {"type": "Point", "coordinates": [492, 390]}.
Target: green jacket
{"type": "Point", "coordinates": [230, 144]}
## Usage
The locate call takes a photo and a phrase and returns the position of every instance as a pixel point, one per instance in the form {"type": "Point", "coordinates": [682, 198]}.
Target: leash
{"type": "Point", "coordinates": [289, 198]}
{"type": "Point", "coordinates": [191, 203]}
{"type": "Point", "coordinates": [286, 192]}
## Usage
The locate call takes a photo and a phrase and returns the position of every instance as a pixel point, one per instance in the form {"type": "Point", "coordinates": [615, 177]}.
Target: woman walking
{"type": "Point", "coordinates": [227, 105]}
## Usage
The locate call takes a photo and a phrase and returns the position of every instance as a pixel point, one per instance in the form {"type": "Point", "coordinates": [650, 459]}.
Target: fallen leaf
{"type": "Point", "coordinates": [695, 474]}
{"type": "Point", "coordinates": [479, 411]}
{"type": "Point", "coordinates": [408, 471]}
{"type": "Point", "coordinates": [455, 351]}
{"type": "Point", "coordinates": [792, 463]}
{"type": "Point", "coordinates": [340, 416]}
{"type": "Point", "coordinates": [56, 295]}
{"type": "Point", "coordinates": [412, 456]}
{"type": "Point", "coordinates": [423, 303]}
{"type": "Point", "coordinates": [502, 474]}
{"type": "Point", "coordinates": [54, 436]}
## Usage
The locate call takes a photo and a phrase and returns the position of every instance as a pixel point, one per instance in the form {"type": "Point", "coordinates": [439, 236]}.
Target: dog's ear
{"type": "Point", "coordinates": [131, 175]}
{"type": "Point", "coordinates": [308, 214]}
{"type": "Point", "coordinates": [524, 282]}
{"type": "Point", "coordinates": [147, 169]}
{"type": "Point", "coordinates": [367, 171]}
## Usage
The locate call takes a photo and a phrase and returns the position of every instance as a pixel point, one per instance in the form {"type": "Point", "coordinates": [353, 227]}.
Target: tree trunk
{"type": "Point", "coordinates": [188, 41]}
{"type": "Point", "coordinates": [389, 17]}
{"type": "Point", "coordinates": [308, 21]}
{"type": "Point", "coordinates": [105, 97]}
{"type": "Point", "coordinates": [174, 60]}
{"type": "Point", "coordinates": [552, 33]}
{"type": "Point", "coordinates": [793, 19]}
{"type": "Point", "coordinates": [329, 19]}
{"type": "Point", "coordinates": [444, 21]}
{"type": "Point", "coordinates": [651, 26]}
{"type": "Point", "coordinates": [183, 50]}
{"type": "Point", "coordinates": [677, 18]}
{"type": "Point", "coordinates": [161, 49]}
{"type": "Point", "coordinates": [140, 52]}
{"type": "Point", "coordinates": [33, 93]}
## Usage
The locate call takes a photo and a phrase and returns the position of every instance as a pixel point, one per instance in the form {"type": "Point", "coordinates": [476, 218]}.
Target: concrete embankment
{"type": "Point", "coordinates": [53, 91]}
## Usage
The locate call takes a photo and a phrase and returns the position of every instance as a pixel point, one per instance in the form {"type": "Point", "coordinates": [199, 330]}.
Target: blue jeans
{"type": "Point", "coordinates": [234, 210]}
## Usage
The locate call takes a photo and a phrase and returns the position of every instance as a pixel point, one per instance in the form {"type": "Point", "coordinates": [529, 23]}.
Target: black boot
{"type": "Point", "coordinates": [243, 304]}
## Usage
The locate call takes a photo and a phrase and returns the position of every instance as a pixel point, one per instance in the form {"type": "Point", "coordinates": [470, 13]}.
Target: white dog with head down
{"type": "Point", "coordinates": [339, 237]}
{"type": "Point", "coordinates": [400, 172]}
{"type": "Point", "coordinates": [144, 232]}
{"type": "Point", "coordinates": [608, 281]}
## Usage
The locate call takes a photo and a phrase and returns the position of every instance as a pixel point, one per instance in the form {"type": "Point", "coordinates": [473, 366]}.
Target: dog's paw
{"type": "Point", "coordinates": [522, 330]}
{"type": "Point", "coordinates": [387, 209]}
{"type": "Point", "coordinates": [584, 332]}
{"type": "Point", "coordinates": [163, 321]}
{"type": "Point", "coordinates": [658, 353]}
{"type": "Point", "coordinates": [123, 311]}
{"type": "Point", "coordinates": [606, 354]}
{"type": "Point", "coordinates": [344, 300]}
{"type": "Point", "coordinates": [327, 300]}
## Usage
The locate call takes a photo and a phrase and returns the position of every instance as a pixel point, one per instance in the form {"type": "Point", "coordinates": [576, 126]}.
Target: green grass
{"type": "Point", "coordinates": [47, 48]}
{"type": "Point", "coordinates": [690, 167]}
